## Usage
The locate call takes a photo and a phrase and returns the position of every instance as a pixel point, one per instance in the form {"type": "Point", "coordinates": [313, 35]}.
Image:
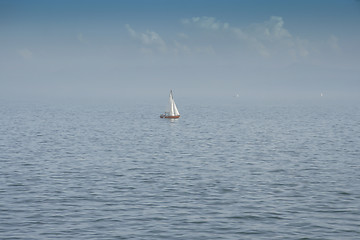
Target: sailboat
{"type": "Point", "coordinates": [172, 111]}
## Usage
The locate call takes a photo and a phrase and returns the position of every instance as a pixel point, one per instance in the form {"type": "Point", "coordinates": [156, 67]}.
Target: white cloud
{"type": "Point", "coordinates": [273, 29]}
{"type": "Point", "coordinates": [267, 38]}
{"type": "Point", "coordinates": [239, 33]}
{"type": "Point", "coordinates": [151, 42]}
{"type": "Point", "coordinates": [210, 23]}
{"type": "Point", "coordinates": [148, 38]}
{"type": "Point", "coordinates": [131, 31]}
{"type": "Point", "coordinates": [206, 23]}
{"type": "Point", "coordinates": [25, 53]}
{"type": "Point", "coordinates": [251, 41]}
{"type": "Point", "coordinates": [278, 39]}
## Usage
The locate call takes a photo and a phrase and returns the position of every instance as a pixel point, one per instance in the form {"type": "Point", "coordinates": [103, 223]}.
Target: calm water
{"type": "Point", "coordinates": [221, 172]}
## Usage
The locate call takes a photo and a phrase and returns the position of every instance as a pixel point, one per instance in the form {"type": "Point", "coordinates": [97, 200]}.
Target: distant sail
{"type": "Point", "coordinates": [172, 111]}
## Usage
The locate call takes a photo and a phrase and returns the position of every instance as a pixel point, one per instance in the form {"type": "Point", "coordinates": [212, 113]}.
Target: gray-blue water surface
{"type": "Point", "coordinates": [111, 171]}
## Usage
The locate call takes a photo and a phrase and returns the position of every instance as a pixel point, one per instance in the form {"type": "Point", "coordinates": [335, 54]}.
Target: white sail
{"type": "Point", "coordinates": [170, 106]}
{"type": "Point", "coordinates": [173, 111]}
{"type": "Point", "coordinates": [176, 112]}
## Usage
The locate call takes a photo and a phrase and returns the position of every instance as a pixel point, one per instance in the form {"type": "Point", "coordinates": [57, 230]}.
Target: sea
{"type": "Point", "coordinates": [225, 170]}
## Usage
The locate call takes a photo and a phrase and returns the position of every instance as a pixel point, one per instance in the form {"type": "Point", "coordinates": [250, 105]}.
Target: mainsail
{"type": "Point", "coordinates": [173, 111]}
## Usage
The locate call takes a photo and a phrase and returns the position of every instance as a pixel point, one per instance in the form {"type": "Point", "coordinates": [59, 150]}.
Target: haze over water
{"type": "Point", "coordinates": [257, 49]}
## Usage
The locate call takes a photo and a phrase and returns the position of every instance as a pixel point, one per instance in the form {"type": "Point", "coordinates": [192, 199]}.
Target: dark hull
{"type": "Point", "coordinates": [164, 116]}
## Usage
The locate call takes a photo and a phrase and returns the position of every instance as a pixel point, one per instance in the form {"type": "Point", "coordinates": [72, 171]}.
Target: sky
{"type": "Point", "coordinates": [255, 49]}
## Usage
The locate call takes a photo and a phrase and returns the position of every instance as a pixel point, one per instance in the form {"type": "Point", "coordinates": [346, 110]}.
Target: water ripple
{"type": "Point", "coordinates": [97, 173]}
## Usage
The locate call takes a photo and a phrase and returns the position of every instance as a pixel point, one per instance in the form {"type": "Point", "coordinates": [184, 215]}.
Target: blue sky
{"type": "Point", "coordinates": [257, 49]}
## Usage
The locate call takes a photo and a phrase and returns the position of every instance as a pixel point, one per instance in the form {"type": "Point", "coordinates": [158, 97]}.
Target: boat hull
{"type": "Point", "coordinates": [162, 116]}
